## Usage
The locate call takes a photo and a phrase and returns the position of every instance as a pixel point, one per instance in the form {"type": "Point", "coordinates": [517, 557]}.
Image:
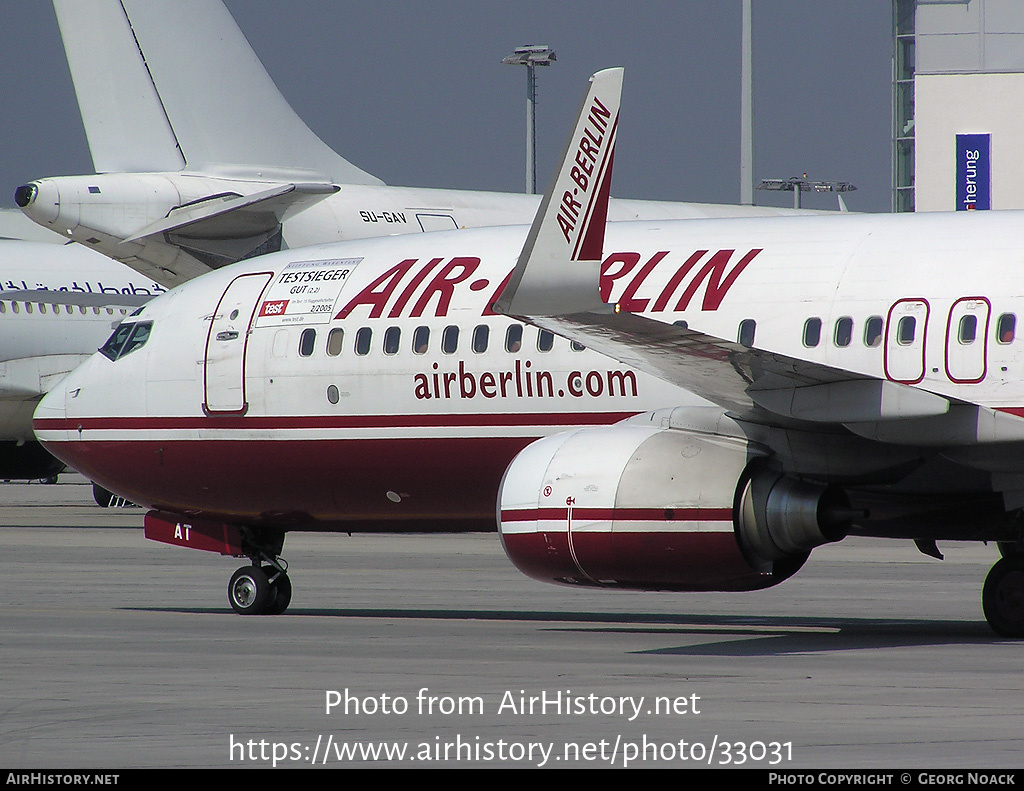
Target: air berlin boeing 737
{"type": "Point", "coordinates": [862, 375]}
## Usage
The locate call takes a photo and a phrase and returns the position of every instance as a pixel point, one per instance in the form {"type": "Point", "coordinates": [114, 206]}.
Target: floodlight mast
{"type": "Point", "coordinates": [746, 109]}
{"type": "Point", "coordinates": [531, 56]}
{"type": "Point", "coordinates": [798, 184]}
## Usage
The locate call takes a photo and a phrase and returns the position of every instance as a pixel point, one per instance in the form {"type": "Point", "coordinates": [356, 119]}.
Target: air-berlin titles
{"type": "Point", "coordinates": [521, 382]}
{"type": "Point", "coordinates": [592, 142]}
{"type": "Point", "coordinates": [400, 291]}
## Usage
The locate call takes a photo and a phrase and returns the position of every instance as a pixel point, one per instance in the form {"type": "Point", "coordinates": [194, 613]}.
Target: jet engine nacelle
{"type": "Point", "coordinates": [114, 204]}
{"type": "Point", "coordinates": [650, 508]}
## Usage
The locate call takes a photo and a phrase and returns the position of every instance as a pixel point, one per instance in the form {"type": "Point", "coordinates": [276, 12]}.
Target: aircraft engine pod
{"type": "Point", "coordinates": [637, 507]}
{"type": "Point", "coordinates": [779, 517]}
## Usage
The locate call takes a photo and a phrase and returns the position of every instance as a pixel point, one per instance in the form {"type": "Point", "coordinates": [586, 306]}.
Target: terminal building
{"type": "Point", "coordinates": [958, 105]}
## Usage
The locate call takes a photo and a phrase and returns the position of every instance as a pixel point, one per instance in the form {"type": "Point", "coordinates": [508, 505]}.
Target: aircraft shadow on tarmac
{"type": "Point", "coordinates": [758, 635]}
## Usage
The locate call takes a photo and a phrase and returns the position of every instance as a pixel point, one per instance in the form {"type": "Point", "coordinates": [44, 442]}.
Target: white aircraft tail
{"type": "Point", "coordinates": [176, 86]}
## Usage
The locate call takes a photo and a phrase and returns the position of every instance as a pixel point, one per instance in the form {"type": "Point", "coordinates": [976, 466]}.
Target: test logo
{"type": "Point", "coordinates": [274, 308]}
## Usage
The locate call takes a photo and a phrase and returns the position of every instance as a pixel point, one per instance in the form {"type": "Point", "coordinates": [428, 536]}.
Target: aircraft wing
{"type": "Point", "coordinates": [555, 285]}
{"type": "Point", "coordinates": [747, 381]}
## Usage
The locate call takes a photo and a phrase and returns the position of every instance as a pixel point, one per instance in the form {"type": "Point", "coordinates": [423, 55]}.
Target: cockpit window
{"type": "Point", "coordinates": [126, 338]}
{"type": "Point", "coordinates": [138, 338]}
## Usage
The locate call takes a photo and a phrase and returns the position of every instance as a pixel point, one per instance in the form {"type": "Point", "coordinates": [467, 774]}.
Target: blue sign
{"type": "Point", "coordinates": [973, 172]}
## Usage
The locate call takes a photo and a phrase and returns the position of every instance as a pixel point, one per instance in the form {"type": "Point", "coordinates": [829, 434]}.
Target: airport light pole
{"type": "Point", "coordinates": [531, 56]}
{"type": "Point", "coordinates": [799, 184]}
{"type": "Point", "coordinates": [746, 109]}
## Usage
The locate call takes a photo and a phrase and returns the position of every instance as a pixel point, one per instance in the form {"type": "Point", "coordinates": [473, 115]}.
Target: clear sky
{"type": "Point", "coordinates": [413, 91]}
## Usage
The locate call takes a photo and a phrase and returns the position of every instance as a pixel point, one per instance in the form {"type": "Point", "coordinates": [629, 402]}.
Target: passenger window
{"type": "Point", "coordinates": [307, 340]}
{"type": "Point", "coordinates": [335, 341]}
{"type": "Point", "coordinates": [746, 334]}
{"type": "Point", "coordinates": [28, 307]}
{"type": "Point", "coordinates": [812, 332]}
{"type": "Point", "coordinates": [545, 340]}
{"type": "Point", "coordinates": [3, 307]}
{"type": "Point", "coordinates": [684, 324]}
{"type": "Point", "coordinates": [450, 340]}
{"type": "Point", "coordinates": [576, 347]}
{"type": "Point", "coordinates": [967, 332]}
{"type": "Point", "coordinates": [392, 339]}
{"type": "Point", "coordinates": [844, 332]}
{"type": "Point", "coordinates": [514, 338]}
{"type": "Point", "coordinates": [420, 340]}
{"type": "Point", "coordinates": [906, 329]}
{"type": "Point", "coordinates": [481, 334]}
{"type": "Point", "coordinates": [363, 337]}
{"type": "Point", "coordinates": [873, 332]}
{"type": "Point", "coordinates": [1006, 328]}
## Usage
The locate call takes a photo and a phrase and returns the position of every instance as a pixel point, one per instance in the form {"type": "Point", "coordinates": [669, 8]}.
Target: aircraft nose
{"type": "Point", "coordinates": [52, 407]}
{"type": "Point", "coordinates": [58, 424]}
{"type": "Point", "coordinates": [60, 414]}
{"type": "Point", "coordinates": [39, 200]}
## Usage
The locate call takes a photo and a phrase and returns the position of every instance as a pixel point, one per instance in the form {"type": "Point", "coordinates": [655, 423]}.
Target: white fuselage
{"type": "Point", "coordinates": [239, 407]}
{"type": "Point", "coordinates": [124, 215]}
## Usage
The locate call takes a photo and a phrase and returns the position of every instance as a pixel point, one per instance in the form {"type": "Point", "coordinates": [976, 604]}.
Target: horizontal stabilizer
{"type": "Point", "coordinates": [237, 216]}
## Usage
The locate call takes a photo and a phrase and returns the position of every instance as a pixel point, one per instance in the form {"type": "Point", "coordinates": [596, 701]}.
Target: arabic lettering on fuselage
{"type": "Point", "coordinates": [84, 287]}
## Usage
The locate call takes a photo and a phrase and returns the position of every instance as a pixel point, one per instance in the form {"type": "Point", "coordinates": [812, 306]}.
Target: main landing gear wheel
{"type": "Point", "coordinates": [1003, 597]}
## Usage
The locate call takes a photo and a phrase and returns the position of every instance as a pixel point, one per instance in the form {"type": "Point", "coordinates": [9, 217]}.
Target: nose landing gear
{"type": "Point", "coordinates": [263, 588]}
{"type": "Point", "coordinates": [260, 590]}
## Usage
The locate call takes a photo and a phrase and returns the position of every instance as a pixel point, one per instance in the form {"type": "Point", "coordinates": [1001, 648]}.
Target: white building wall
{"type": "Point", "coordinates": [946, 105]}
